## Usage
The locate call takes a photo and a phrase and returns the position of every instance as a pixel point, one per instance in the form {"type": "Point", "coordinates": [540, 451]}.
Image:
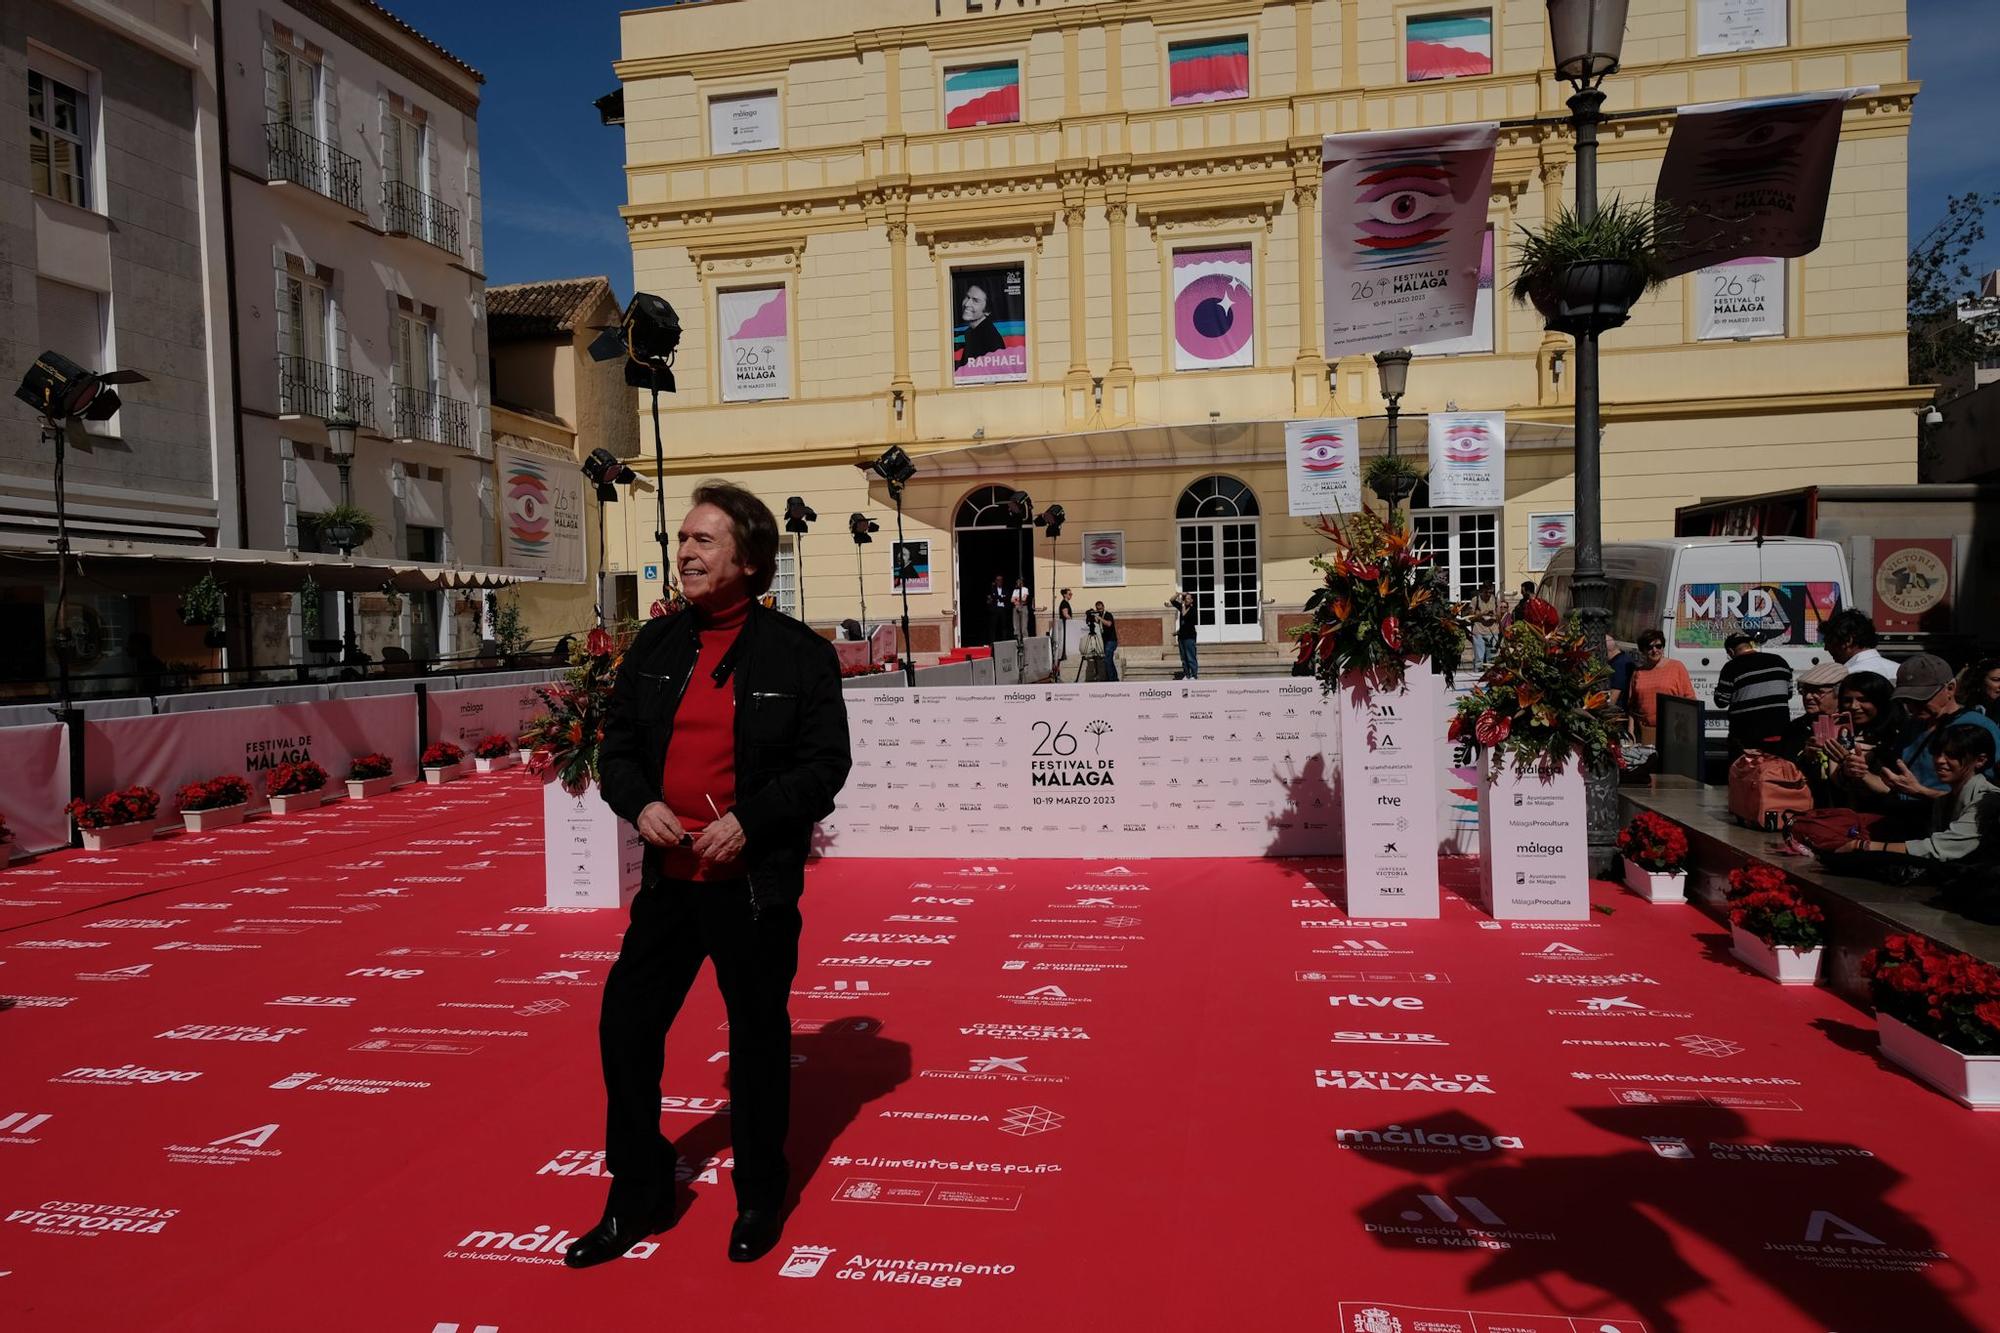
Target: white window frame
{"type": "Point", "coordinates": [296, 287]}
{"type": "Point", "coordinates": [292, 61]}
{"type": "Point", "coordinates": [103, 356]}
{"type": "Point", "coordinates": [1463, 583]}
{"type": "Point", "coordinates": [417, 131]}
{"type": "Point", "coordinates": [426, 333]}
{"type": "Point", "coordinates": [50, 67]}
{"type": "Point", "coordinates": [785, 578]}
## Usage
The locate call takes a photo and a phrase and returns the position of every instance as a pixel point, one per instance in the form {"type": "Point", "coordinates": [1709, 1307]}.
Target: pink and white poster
{"type": "Point", "coordinates": [1468, 454]}
{"type": "Point", "coordinates": [1480, 340]}
{"type": "Point", "coordinates": [1215, 311]}
{"type": "Point", "coordinates": [756, 345]}
{"type": "Point", "coordinates": [1323, 466]}
{"type": "Point", "coordinates": [1104, 559]}
{"type": "Point", "coordinates": [1547, 534]}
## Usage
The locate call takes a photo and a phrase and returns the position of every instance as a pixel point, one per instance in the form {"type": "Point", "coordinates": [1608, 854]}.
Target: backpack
{"type": "Point", "coordinates": [1766, 791]}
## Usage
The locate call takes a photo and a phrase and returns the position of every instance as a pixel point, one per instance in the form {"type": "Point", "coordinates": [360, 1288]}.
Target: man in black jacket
{"type": "Point", "coordinates": [725, 742]}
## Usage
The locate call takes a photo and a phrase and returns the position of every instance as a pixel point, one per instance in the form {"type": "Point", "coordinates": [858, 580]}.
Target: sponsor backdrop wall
{"type": "Point", "coordinates": [34, 787]}
{"type": "Point", "coordinates": [464, 717]}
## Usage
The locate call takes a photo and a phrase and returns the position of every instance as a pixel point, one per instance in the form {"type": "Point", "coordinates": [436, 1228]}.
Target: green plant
{"type": "Point", "coordinates": [1543, 702]}
{"type": "Point", "coordinates": [309, 605]}
{"type": "Point", "coordinates": [1639, 234]}
{"type": "Point", "coordinates": [1382, 606]}
{"type": "Point", "coordinates": [201, 604]}
{"type": "Point", "coordinates": [1942, 342]}
{"type": "Point", "coordinates": [394, 599]}
{"type": "Point", "coordinates": [1386, 476]}
{"type": "Point", "coordinates": [508, 630]}
{"type": "Point", "coordinates": [315, 528]}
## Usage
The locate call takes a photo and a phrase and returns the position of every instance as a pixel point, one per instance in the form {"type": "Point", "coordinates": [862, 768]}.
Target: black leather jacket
{"type": "Point", "coordinates": [792, 753]}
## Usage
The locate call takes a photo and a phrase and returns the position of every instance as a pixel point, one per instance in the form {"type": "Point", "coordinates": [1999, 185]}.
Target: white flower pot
{"type": "Point", "coordinates": [438, 775]}
{"type": "Point", "coordinates": [360, 789]}
{"type": "Point", "coordinates": [222, 816]}
{"type": "Point", "coordinates": [297, 801]}
{"type": "Point", "coordinates": [1972, 1080]}
{"type": "Point", "coordinates": [119, 835]}
{"type": "Point", "coordinates": [1787, 967]}
{"type": "Point", "coordinates": [1655, 887]}
{"type": "Point", "coordinates": [495, 765]}
{"type": "Point", "coordinates": [524, 755]}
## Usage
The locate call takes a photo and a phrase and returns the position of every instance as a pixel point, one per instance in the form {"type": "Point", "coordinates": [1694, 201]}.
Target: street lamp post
{"type": "Point", "coordinates": [1393, 369]}
{"type": "Point", "coordinates": [340, 430]}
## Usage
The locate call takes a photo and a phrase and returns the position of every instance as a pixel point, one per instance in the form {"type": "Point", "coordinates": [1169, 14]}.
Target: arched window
{"type": "Point", "coordinates": [984, 508]}
{"type": "Point", "coordinates": [1217, 497]}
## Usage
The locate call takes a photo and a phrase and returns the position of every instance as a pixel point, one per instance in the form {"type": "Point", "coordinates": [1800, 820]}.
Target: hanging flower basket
{"type": "Point", "coordinates": [1591, 297]}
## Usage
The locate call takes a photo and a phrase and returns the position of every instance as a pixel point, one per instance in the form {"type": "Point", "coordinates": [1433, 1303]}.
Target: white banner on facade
{"type": "Point", "coordinates": [1323, 466]}
{"type": "Point", "coordinates": [745, 124]}
{"type": "Point", "coordinates": [756, 344]}
{"type": "Point", "coordinates": [1468, 460]}
{"type": "Point", "coordinates": [1744, 298]}
{"type": "Point", "coordinates": [1547, 534]}
{"type": "Point", "coordinates": [1402, 232]}
{"type": "Point", "coordinates": [541, 521]}
{"type": "Point", "coordinates": [1103, 559]}
{"type": "Point", "coordinates": [1740, 25]}
{"type": "Point", "coordinates": [1388, 796]}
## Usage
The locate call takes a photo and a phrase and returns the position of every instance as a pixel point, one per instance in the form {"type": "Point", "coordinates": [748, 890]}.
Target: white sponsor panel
{"type": "Point", "coordinates": [1388, 795]}
{"type": "Point", "coordinates": [1533, 829]}
{"type": "Point", "coordinates": [466, 717]}
{"type": "Point", "coordinates": [34, 787]}
{"type": "Point", "coordinates": [1740, 25]}
{"type": "Point", "coordinates": [591, 857]}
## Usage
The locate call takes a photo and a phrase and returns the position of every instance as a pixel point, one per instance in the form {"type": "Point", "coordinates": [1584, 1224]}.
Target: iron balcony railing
{"type": "Point", "coordinates": [430, 416]}
{"type": "Point", "coordinates": [304, 160]}
{"type": "Point", "coordinates": [316, 389]}
{"type": "Point", "coordinates": [408, 211]}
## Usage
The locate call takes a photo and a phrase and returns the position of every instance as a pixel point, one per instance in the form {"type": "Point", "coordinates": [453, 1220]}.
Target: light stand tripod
{"type": "Point", "coordinates": [905, 570]}
{"type": "Point", "coordinates": [860, 527]}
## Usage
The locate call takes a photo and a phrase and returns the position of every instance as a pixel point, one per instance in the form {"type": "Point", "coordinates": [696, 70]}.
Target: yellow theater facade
{"type": "Point", "coordinates": [820, 190]}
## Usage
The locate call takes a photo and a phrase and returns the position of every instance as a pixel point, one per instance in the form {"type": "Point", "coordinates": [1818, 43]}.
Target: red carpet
{"type": "Point", "coordinates": [338, 1072]}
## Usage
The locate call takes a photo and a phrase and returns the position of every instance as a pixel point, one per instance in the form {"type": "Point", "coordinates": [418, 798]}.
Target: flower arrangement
{"type": "Point", "coordinates": [1382, 607]}
{"type": "Point", "coordinates": [497, 746]}
{"type": "Point", "coordinates": [867, 668]}
{"type": "Point", "coordinates": [216, 793]}
{"type": "Point", "coordinates": [565, 739]}
{"type": "Point", "coordinates": [1655, 843]}
{"type": "Point", "coordinates": [134, 805]}
{"type": "Point", "coordinates": [1947, 996]}
{"type": "Point", "coordinates": [1780, 917]}
{"type": "Point", "coordinates": [1542, 702]}
{"type": "Point", "coordinates": [370, 766]}
{"type": "Point", "coordinates": [442, 754]}
{"type": "Point", "coordinates": [295, 779]}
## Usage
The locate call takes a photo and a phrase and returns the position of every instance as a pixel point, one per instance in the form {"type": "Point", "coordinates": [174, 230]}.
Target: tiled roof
{"type": "Point", "coordinates": [405, 27]}
{"type": "Point", "coordinates": [543, 309]}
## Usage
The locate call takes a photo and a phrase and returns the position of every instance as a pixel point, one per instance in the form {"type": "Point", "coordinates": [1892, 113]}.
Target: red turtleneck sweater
{"type": "Point", "coordinates": [701, 760]}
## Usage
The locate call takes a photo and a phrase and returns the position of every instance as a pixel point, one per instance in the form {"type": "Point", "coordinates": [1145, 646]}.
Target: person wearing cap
{"type": "Point", "coordinates": [1755, 689]}
{"type": "Point", "coordinates": [1965, 820]}
{"type": "Point", "coordinates": [1803, 739]}
{"type": "Point", "coordinates": [1926, 686]}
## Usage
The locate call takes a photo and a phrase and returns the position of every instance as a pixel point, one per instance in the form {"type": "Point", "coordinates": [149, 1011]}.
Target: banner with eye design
{"type": "Point", "coordinates": [1323, 466]}
{"type": "Point", "coordinates": [1104, 559]}
{"type": "Point", "coordinates": [1402, 233]}
{"type": "Point", "coordinates": [1468, 460]}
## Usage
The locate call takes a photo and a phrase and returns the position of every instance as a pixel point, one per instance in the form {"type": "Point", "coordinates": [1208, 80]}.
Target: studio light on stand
{"type": "Point", "coordinates": [61, 391]}
{"type": "Point", "coordinates": [607, 472]}
{"type": "Point", "coordinates": [1051, 521]}
{"type": "Point", "coordinates": [797, 515]}
{"type": "Point", "coordinates": [647, 338]}
{"type": "Point", "coordinates": [862, 528]}
{"type": "Point", "coordinates": [895, 469]}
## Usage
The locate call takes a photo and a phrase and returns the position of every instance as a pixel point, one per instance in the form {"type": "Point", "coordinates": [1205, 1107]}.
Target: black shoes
{"type": "Point", "coordinates": [616, 1234]}
{"type": "Point", "coordinates": [755, 1233]}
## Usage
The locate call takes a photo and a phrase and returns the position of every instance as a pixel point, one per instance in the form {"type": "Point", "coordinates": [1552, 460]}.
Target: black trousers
{"type": "Point", "coordinates": [675, 925]}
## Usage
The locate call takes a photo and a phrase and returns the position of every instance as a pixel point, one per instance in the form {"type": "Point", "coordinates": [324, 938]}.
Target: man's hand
{"type": "Point", "coordinates": [720, 842]}
{"type": "Point", "coordinates": [1900, 778]}
{"type": "Point", "coordinates": [658, 826]}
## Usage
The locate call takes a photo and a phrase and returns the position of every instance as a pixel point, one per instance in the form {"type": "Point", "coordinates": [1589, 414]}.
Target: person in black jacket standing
{"type": "Point", "coordinates": [726, 741]}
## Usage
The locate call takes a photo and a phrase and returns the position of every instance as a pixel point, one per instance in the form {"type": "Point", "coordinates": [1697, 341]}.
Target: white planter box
{"type": "Point", "coordinates": [590, 857]}
{"type": "Point", "coordinates": [1533, 831]}
{"type": "Point", "coordinates": [1972, 1080]}
{"type": "Point", "coordinates": [297, 801]}
{"type": "Point", "coordinates": [437, 776]}
{"type": "Point", "coordinates": [222, 816]}
{"type": "Point", "coordinates": [1787, 967]}
{"type": "Point", "coordinates": [1655, 887]}
{"type": "Point", "coordinates": [524, 755]}
{"type": "Point", "coordinates": [361, 789]}
{"type": "Point", "coordinates": [1388, 794]}
{"type": "Point", "coordinates": [495, 765]}
{"type": "Point", "coordinates": [120, 835]}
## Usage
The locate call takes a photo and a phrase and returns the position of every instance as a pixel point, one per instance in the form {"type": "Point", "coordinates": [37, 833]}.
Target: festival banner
{"type": "Point", "coordinates": [1403, 234]}
{"type": "Point", "coordinates": [989, 335]}
{"type": "Point", "coordinates": [1743, 298]}
{"type": "Point", "coordinates": [1480, 340]}
{"type": "Point", "coordinates": [910, 566]}
{"type": "Point", "coordinates": [1323, 466]}
{"type": "Point", "coordinates": [1750, 178]}
{"type": "Point", "coordinates": [745, 124]}
{"type": "Point", "coordinates": [756, 344]}
{"type": "Point", "coordinates": [1740, 25]}
{"type": "Point", "coordinates": [1104, 559]}
{"type": "Point", "coordinates": [1216, 70]}
{"type": "Point", "coordinates": [1468, 460]}
{"type": "Point", "coordinates": [1547, 534]}
{"type": "Point", "coordinates": [541, 525]}
{"type": "Point", "coordinates": [1448, 46]}
{"type": "Point", "coordinates": [982, 95]}
{"type": "Point", "coordinates": [1215, 310]}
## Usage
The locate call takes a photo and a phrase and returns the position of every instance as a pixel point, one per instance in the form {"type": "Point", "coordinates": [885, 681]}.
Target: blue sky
{"type": "Point", "coordinates": [553, 175]}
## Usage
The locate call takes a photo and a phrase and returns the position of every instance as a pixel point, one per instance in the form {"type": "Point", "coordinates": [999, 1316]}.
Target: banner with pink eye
{"type": "Point", "coordinates": [1104, 559]}
{"type": "Point", "coordinates": [1468, 460]}
{"type": "Point", "coordinates": [1215, 310]}
{"type": "Point", "coordinates": [1323, 466]}
{"type": "Point", "coordinates": [1403, 233]}
{"type": "Point", "coordinates": [1547, 534]}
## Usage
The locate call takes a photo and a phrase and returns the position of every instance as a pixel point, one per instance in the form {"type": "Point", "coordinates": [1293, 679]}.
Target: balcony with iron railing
{"type": "Point", "coordinates": [296, 156]}
{"type": "Point", "coordinates": [420, 415]}
{"type": "Point", "coordinates": [308, 388]}
{"type": "Point", "coordinates": [408, 211]}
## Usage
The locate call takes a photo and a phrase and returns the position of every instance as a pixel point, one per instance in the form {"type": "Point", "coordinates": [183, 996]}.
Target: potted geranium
{"type": "Point", "coordinates": [1773, 928]}
{"type": "Point", "coordinates": [117, 819]}
{"type": "Point", "coordinates": [1938, 1015]}
{"type": "Point", "coordinates": [442, 762]}
{"type": "Point", "coordinates": [1585, 274]}
{"type": "Point", "coordinates": [294, 787]}
{"type": "Point", "coordinates": [494, 753]}
{"type": "Point", "coordinates": [1655, 850]}
{"type": "Point", "coordinates": [216, 803]}
{"type": "Point", "coordinates": [370, 775]}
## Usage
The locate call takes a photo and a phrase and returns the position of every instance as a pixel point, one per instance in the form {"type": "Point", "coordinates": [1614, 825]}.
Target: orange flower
{"type": "Point", "coordinates": [1528, 696]}
{"type": "Point", "coordinates": [1597, 700]}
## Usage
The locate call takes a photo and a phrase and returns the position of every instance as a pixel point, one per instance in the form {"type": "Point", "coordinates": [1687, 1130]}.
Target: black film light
{"type": "Point", "coordinates": [797, 515]}
{"type": "Point", "coordinates": [647, 337]}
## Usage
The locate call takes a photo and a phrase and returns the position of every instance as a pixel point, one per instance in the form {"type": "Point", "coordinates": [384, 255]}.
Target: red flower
{"type": "Point", "coordinates": [1392, 633]}
{"type": "Point", "coordinates": [1455, 730]}
{"type": "Point", "coordinates": [1491, 728]}
{"type": "Point", "coordinates": [599, 642]}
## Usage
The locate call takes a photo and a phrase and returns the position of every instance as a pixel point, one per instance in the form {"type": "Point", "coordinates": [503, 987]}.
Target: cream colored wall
{"type": "Point", "coordinates": [864, 172]}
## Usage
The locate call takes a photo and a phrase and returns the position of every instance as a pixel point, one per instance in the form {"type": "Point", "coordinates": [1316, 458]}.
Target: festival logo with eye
{"type": "Point", "coordinates": [528, 508]}
{"type": "Point", "coordinates": [1321, 453]}
{"type": "Point", "coordinates": [1214, 308]}
{"type": "Point", "coordinates": [1552, 534]}
{"type": "Point", "coordinates": [1466, 445]}
{"type": "Point", "coordinates": [1405, 208]}
{"type": "Point", "coordinates": [1103, 550]}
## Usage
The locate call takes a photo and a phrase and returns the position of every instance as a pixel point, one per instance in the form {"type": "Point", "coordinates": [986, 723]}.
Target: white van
{"type": "Point", "coordinates": [1700, 590]}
